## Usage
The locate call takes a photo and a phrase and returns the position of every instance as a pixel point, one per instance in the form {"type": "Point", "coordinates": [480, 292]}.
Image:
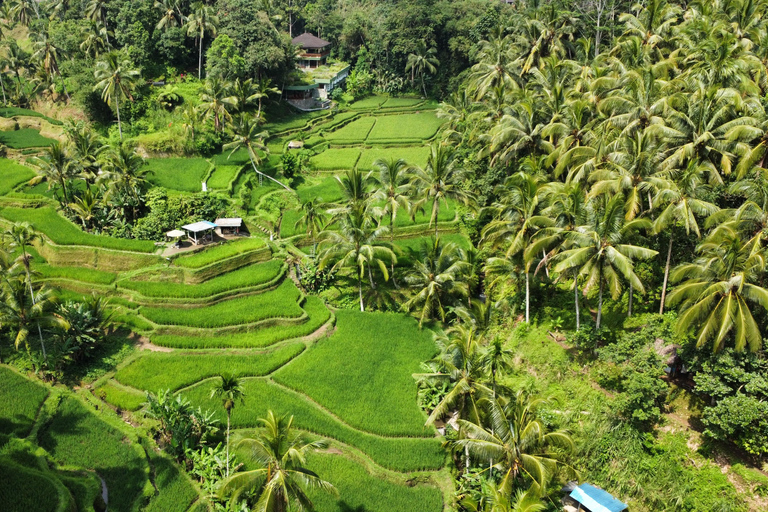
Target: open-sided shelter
{"type": "Point", "coordinates": [200, 232]}
{"type": "Point", "coordinates": [589, 498]}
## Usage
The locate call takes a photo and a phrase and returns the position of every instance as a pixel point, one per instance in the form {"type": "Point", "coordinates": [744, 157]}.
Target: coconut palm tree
{"type": "Point", "coordinates": [170, 14]}
{"type": "Point", "coordinates": [84, 206]}
{"type": "Point", "coordinates": [394, 188]}
{"type": "Point", "coordinates": [116, 80]}
{"type": "Point", "coordinates": [421, 62]}
{"type": "Point", "coordinates": [599, 252]}
{"type": "Point", "coordinates": [85, 147]}
{"type": "Point", "coordinates": [439, 182]}
{"type": "Point", "coordinates": [203, 20]}
{"type": "Point", "coordinates": [356, 246]}
{"type": "Point", "coordinates": [264, 88]}
{"type": "Point", "coordinates": [247, 135]}
{"type": "Point", "coordinates": [48, 54]}
{"type": "Point", "coordinates": [23, 10]}
{"type": "Point", "coordinates": [282, 479]}
{"type": "Point", "coordinates": [96, 11]}
{"type": "Point", "coordinates": [435, 279]}
{"type": "Point", "coordinates": [125, 173]}
{"type": "Point", "coordinates": [22, 308]}
{"type": "Point", "coordinates": [230, 391]}
{"type": "Point", "coordinates": [57, 168]}
{"type": "Point", "coordinates": [517, 442]}
{"type": "Point", "coordinates": [313, 219]}
{"type": "Point", "coordinates": [216, 100]}
{"type": "Point", "coordinates": [96, 40]}
{"type": "Point", "coordinates": [718, 291]}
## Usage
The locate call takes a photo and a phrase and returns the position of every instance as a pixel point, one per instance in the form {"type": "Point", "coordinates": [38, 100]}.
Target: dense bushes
{"type": "Point", "coordinates": [171, 212]}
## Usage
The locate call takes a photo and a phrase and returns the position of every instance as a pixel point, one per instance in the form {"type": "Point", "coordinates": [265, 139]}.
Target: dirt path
{"type": "Point", "coordinates": [144, 344]}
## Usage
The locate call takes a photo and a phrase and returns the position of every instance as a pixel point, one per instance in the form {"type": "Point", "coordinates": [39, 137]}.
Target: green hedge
{"type": "Point", "coordinates": [219, 252]}
{"type": "Point", "coordinates": [156, 371]}
{"type": "Point", "coordinates": [21, 398]}
{"type": "Point", "coordinates": [63, 232]}
{"type": "Point", "coordinates": [13, 175]}
{"type": "Point", "coordinates": [313, 306]}
{"type": "Point", "coordinates": [252, 275]}
{"type": "Point", "coordinates": [24, 138]}
{"type": "Point", "coordinates": [379, 394]}
{"type": "Point", "coordinates": [278, 303]}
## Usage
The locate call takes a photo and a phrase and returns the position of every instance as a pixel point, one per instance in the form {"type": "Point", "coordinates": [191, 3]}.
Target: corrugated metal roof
{"type": "Point", "coordinates": [234, 222]}
{"type": "Point", "coordinates": [596, 500]}
{"type": "Point", "coordinates": [203, 225]}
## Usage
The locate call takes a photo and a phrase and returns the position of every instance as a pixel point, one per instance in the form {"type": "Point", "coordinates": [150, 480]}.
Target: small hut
{"type": "Point", "coordinates": [229, 226]}
{"type": "Point", "coordinates": [200, 232]}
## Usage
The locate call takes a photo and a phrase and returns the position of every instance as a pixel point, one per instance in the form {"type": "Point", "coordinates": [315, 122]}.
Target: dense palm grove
{"type": "Point", "coordinates": [609, 170]}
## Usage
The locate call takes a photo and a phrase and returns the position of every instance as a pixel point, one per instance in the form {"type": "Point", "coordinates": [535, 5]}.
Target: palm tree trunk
{"type": "Point", "coordinates": [423, 87]}
{"type": "Point", "coordinates": [576, 299]}
{"type": "Point", "coordinates": [228, 415]}
{"type": "Point", "coordinates": [117, 107]}
{"type": "Point", "coordinates": [32, 296]}
{"type": "Point", "coordinates": [527, 296]}
{"type": "Point", "coordinates": [666, 275]}
{"type": "Point", "coordinates": [200, 59]}
{"type": "Point", "coordinates": [600, 299]}
{"type": "Point", "coordinates": [360, 291]}
{"type": "Point", "coordinates": [631, 296]}
{"type": "Point", "coordinates": [392, 241]}
{"type": "Point", "coordinates": [2, 86]}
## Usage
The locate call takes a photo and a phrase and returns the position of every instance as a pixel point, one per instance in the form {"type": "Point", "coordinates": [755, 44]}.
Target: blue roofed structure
{"type": "Point", "coordinates": [593, 499]}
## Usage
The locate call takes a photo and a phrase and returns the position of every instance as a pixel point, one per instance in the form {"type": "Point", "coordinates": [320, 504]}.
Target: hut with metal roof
{"type": "Point", "coordinates": [200, 232]}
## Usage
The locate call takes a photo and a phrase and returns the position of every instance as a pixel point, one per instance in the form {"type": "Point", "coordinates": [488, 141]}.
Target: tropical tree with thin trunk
{"type": "Point", "coordinates": [96, 11]}
{"type": "Point", "coordinates": [438, 183]}
{"type": "Point", "coordinates": [282, 478]}
{"type": "Point", "coordinates": [170, 12]}
{"type": "Point", "coordinates": [48, 54]}
{"type": "Point", "coordinates": [216, 100]}
{"type": "Point", "coordinates": [125, 173]}
{"type": "Point", "coordinates": [313, 219]}
{"type": "Point", "coordinates": [599, 252]}
{"type": "Point", "coordinates": [230, 391]}
{"type": "Point", "coordinates": [247, 135]}
{"type": "Point", "coordinates": [116, 80]}
{"type": "Point", "coordinates": [421, 62]}
{"type": "Point", "coordinates": [719, 291]}
{"type": "Point", "coordinates": [203, 20]}
{"type": "Point", "coordinates": [57, 168]}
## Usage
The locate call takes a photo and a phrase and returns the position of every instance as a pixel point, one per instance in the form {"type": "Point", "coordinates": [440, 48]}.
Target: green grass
{"type": "Point", "coordinates": [25, 489]}
{"type": "Point", "coordinates": [12, 175]}
{"type": "Point", "coordinates": [354, 132]}
{"type": "Point", "coordinates": [334, 121]}
{"type": "Point", "coordinates": [176, 490]}
{"type": "Point", "coordinates": [361, 491]}
{"type": "Point", "coordinates": [239, 157]}
{"type": "Point", "coordinates": [21, 399]}
{"type": "Point", "coordinates": [223, 176]}
{"type": "Point", "coordinates": [124, 398]}
{"type": "Point", "coordinates": [156, 371]}
{"type": "Point", "coordinates": [412, 155]}
{"type": "Point", "coordinates": [183, 174]}
{"type": "Point", "coordinates": [15, 111]}
{"type": "Point", "coordinates": [24, 138]}
{"type": "Point", "coordinates": [445, 213]}
{"type": "Point", "coordinates": [375, 355]}
{"type": "Point", "coordinates": [401, 102]}
{"type": "Point", "coordinates": [369, 102]}
{"type": "Point", "coordinates": [219, 252]}
{"type": "Point", "coordinates": [63, 232]}
{"type": "Point", "coordinates": [252, 275]}
{"type": "Point", "coordinates": [293, 121]}
{"type": "Point", "coordinates": [314, 307]}
{"type": "Point", "coordinates": [328, 190]}
{"type": "Point", "coordinates": [76, 436]}
{"type": "Point", "coordinates": [335, 159]}
{"type": "Point", "coordinates": [278, 303]}
{"type": "Point", "coordinates": [420, 126]}
{"type": "Point", "coordinates": [85, 275]}
{"type": "Point", "coordinates": [399, 454]}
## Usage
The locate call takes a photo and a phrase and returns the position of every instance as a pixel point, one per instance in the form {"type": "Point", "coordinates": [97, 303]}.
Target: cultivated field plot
{"type": "Point", "coordinates": [353, 133]}
{"type": "Point", "coordinates": [335, 159]}
{"type": "Point", "coordinates": [183, 174]}
{"type": "Point", "coordinates": [217, 253]}
{"type": "Point", "coordinates": [13, 175]}
{"type": "Point", "coordinates": [420, 127]}
{"type": "Point", "coordinates": [24, 138]}
{"type": "Point", "coordinates": [21, 399]}
{"type": "Point", "coordinates": [413, 155]}
{"type": "Point", "coordinates": [222, 176]}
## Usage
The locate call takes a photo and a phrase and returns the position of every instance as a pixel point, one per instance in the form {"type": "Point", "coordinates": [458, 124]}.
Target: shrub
{"type": "Point", "coordinates": [741, 419]}
{"type": "Point", "coordinates": [279, 303]}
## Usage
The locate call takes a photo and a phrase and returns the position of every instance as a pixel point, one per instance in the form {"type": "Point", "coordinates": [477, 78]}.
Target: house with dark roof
{"type": "Point", "coordinates": [318, 74]}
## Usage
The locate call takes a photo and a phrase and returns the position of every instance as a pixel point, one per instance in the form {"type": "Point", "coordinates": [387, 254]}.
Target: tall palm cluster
{"type": "Point", "coordinates": [362, 229]}
{"type": "Point", "coordinates": [102, 186]}
{"type": "Point", "coordinates": [53, 334]}
{"type": "Point", "coordinates": [614, 154]}
{"type": "Point", "coordinates": [24, 75]}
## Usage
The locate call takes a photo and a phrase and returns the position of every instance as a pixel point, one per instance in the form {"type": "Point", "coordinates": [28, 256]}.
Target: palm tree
{"type": "Point", "coordinates": [436, 279]}
{"type": "Point", "coordinates": [313, 219]}
{"type": "Point", "coordinates": [394, 188]}
{"type": "Point", "coordinates": [246, 135]}
{"type": "Point", "coordinates": [55, 167]}
{"type": "Point", "coordinates": [116, 81]}
{"type": "Point", "coordinates": [518, 442]}
{"type": "Point", "coordinates": [599, 250]}
{"type": "Point", "coordinates": [282, 479]}
{"type": "Point", "coordinates": [263, 89]}
{"type": "Point", "coordinates": [439, 181]}
{"type": "Point", "coordinates": [230, 391]}
{"type": "Point", "coordinates": [355, 245]}
{"type": "Point", "coordinates": [125, 173]}
{"type": "Point", "coordinates": [96, 40]}
{"type": "Point", "coordinates": [84, 206]}
{"type": "Point", "coordinates": [716, 291]}
{"type": "Point", "coordinates": [86, 148]}
{"type": "Point", "coordinates": [245, 95]}
{"type": "Point", "coordinates": [171, 14]}
{"type": "Point", "coordinates": [422, 61]}
{"type": "Point", "coordinates": [21, 236]}
{"type": "Point", "coordinates": [96, 11]}
{"type": "Point", "coordinates": [22, 11]}
{"type": "Point", "coordinates": [48, 54]}
{"type": "Point", "coordinates": [202, 20]}
{"type": "Point", "coordinates": [215, 100]}
{"type": "Point", "coordinates": [21, 308]}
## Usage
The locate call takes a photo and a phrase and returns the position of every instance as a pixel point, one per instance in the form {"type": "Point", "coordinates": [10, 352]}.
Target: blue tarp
{"type": "Point", "coordinates": [596, 500]}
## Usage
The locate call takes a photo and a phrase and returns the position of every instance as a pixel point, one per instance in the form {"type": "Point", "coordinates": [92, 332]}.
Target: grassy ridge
{"type": "Point", "coordinates": [157, 371]}
{"type": "Point", "coordinates": [85, 275]}
{"type": "Point", "coordinates": [314, 307]}
{"type": "Point", "coordinates": [219, 252]}
{"type": "Point", "coordinates": [24, 138]}
{"type": "Point", "coordinates": [375, 355]}
{"type": "Point", "coordinates": [76, 436]}
{"type": "Point", "coordinates": [124, 398]}
{"type": "Point", "coordinates": [183, 174]}
{"type": "Point", "coordinates": [251, 275]}
{"type": "Point", "coordinates": [12, 175]}
{"type": "Point", "coordinates": [399, 454]}
{"type": "Point", "coordinates": [279, 303]}
{"type": "Point", "coordinates": [361, 491]}
{"type": "Point", "coordinates": [63, 232]}
{"type": "Point", "coordinates": [21, 399]}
